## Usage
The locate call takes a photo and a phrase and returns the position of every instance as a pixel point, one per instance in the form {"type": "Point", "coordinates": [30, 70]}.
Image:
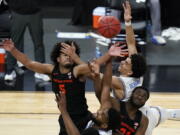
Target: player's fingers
{"type": "Point", "coordinates": [64, 51]}
{"type": "Point", "coordinates": [116, 44]}
{"type": "Point", "coordinates": [123, 6]}
{"type": "Point", "coordinates": [123, 46]}
{"type": "Point", "coordinates": [124, 50]}
{"type": "Point", "coordinates": [124, 54]}
{"type": "Point", "coordinates": [65, 45]}
{"type": "Point", "coordinates": [73, 46]}
{"type": "Point", "coordinates": [90, 66]}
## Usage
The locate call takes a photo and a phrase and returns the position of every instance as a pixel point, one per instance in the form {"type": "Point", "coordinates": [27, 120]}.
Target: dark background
{"type": "Point", "coordinates": [163, 61]}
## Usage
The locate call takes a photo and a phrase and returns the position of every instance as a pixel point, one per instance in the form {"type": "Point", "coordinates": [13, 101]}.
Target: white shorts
{"type": "Point", "coordinates": [156, 115]}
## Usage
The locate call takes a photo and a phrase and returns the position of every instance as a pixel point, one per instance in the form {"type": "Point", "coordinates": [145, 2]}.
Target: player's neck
{"type": "Point", "coordinates": [131, 111]}
{"type": "Point", "coordinates": [63, 69]}
{"type": "Point", "coordinates": [130, 107]}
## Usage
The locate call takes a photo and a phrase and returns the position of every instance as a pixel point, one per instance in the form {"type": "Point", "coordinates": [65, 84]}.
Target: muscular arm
{"type": "Point", "coordinates": [32, 65]}
{"type": "Point", "coordinates": [130, 38]}
{"type": "Point", "coordinates": [102, 85]}
{"type": "Point", "coordinates": [77, 59]}
{"type": "Point", "coordinates": [103, 59]}
{"type": "Point", "coordinates": [116, 85]}
{"type": "Point", "coordinates": [8, 45]}
{"type": "Point", "coordinates": [144, 124]}
{"type": "Point", "coordinates": [86, 69]}
{"type": "Point", "coordinates": [97, 86]}
{"type": "Point", "coordinates": [106, 84]}
{"type": "Point", "coordinates": [69, 124]}
{"type": "Point", "coordinates": [82, 70]}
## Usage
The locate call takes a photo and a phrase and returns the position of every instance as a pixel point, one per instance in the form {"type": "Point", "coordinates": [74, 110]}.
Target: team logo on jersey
{"type": "Point", "coordinates": [69, 75]}
{"type": "Point", "coordinates": [134, 84]}
{"type": "Point", "coordinates": [136, 125]}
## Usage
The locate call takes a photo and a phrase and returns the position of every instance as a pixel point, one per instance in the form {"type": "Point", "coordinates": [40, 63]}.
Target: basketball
{"type": "Point", "coordinates": [108, 26]}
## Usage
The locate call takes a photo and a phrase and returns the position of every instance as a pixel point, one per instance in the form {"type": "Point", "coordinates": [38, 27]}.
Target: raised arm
{"type": "Point", "coordinates": [106, 85]}
{"type": "Point", "coordinates": [130, 38]}
{"type": "Point", "coordinates": [114, 50]}
{"type": "Point", "coordinates": [116, 85]}
{"type": "Point", "coordinates": [84, 70]}
{"type": "Point", "coordinates": [118, 88]}
{"type": "Point", "coordinates": [8, 45]}
{"type": "Point", "coordinates": [69, 125]}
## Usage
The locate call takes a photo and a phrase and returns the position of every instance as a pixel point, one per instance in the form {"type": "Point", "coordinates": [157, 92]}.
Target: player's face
{"type": "Point", "coordinates": [65, 61]}
{"type": "Point", "coordinates": [139, 98]}
{"type": "Point", "coordinates": [101, 116]}
{"type": "Point", "coordinates": [125, 67]}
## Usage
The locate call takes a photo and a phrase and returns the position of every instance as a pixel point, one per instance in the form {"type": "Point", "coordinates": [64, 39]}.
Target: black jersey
{"type": "Point", "coordinates": [74, 90]}
{"type": "Point", "coordinates": [129, 126]}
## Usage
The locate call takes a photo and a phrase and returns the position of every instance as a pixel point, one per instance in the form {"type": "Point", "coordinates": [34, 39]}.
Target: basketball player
{"type": "Point", "coordinates": [66, 77]}
{"type": "Point", "coordinates": [102, 123]}
{"type": "Point", "coordinates": [133, 122]}
{"type": "Point", "coordinates": [136, 117]}
{"type": "Point", "coordinates": [125, 83]}
{"type": "Point", "coordinates": [131, 76]}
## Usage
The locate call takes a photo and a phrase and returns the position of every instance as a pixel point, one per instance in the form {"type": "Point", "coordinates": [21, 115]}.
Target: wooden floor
{"type": "Point", "coordinates": [35, 113]}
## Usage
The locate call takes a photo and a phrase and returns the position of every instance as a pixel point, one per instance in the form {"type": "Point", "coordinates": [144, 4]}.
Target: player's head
{"type": "Point", "coordinates": [139, 96]}
{"type": "Point", "coordinates": [133, 66]}
{"type": "Point", "coordinates": [59, 57]}
{"type": "Point", "coordinates": [107, 119]}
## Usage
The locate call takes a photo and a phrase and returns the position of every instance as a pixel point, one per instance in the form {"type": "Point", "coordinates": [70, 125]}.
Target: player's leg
{"type": "Point", "coordinates": [168, 114]}
{"type": "Point", "coordinates": [153, 115]}
{"type": "Point", "coordinates": [173, 114]}
{"type": "Point", "coordinates": [155, 12]}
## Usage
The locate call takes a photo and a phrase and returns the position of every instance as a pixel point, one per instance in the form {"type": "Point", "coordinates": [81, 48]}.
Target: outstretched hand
{"type": "Point", "coordinates": [116, 50]}
{"type": "Point", "coordinates": [127, 11]}
{"type": "Point", "coordinates": [8, 45]}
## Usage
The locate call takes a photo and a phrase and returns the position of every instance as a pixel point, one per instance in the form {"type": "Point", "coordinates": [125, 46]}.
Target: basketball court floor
{"type": "Point", "coordinates": [36, 113]}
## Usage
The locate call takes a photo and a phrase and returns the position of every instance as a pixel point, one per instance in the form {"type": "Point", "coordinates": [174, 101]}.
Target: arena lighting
{"type": "Point", "coordinates": [99, 39]}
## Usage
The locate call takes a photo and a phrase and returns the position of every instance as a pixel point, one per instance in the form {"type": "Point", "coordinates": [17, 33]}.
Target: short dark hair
{"type": "Point", "coordinates": [144, 88]}
{"type": "Point", "coordinates": [138, 65]}
{"type": "Point", "coordinates": [57, 50]}
{"type": "Point", "coordinates": [114, 119]}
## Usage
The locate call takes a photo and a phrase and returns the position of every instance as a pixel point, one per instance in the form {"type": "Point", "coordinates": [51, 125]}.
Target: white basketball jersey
{"type": "Point", "coordinates": [129, 84]}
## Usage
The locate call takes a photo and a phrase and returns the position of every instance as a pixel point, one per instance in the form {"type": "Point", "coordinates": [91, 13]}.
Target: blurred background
{"type": "Point", "coordinates": [69, 17]}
